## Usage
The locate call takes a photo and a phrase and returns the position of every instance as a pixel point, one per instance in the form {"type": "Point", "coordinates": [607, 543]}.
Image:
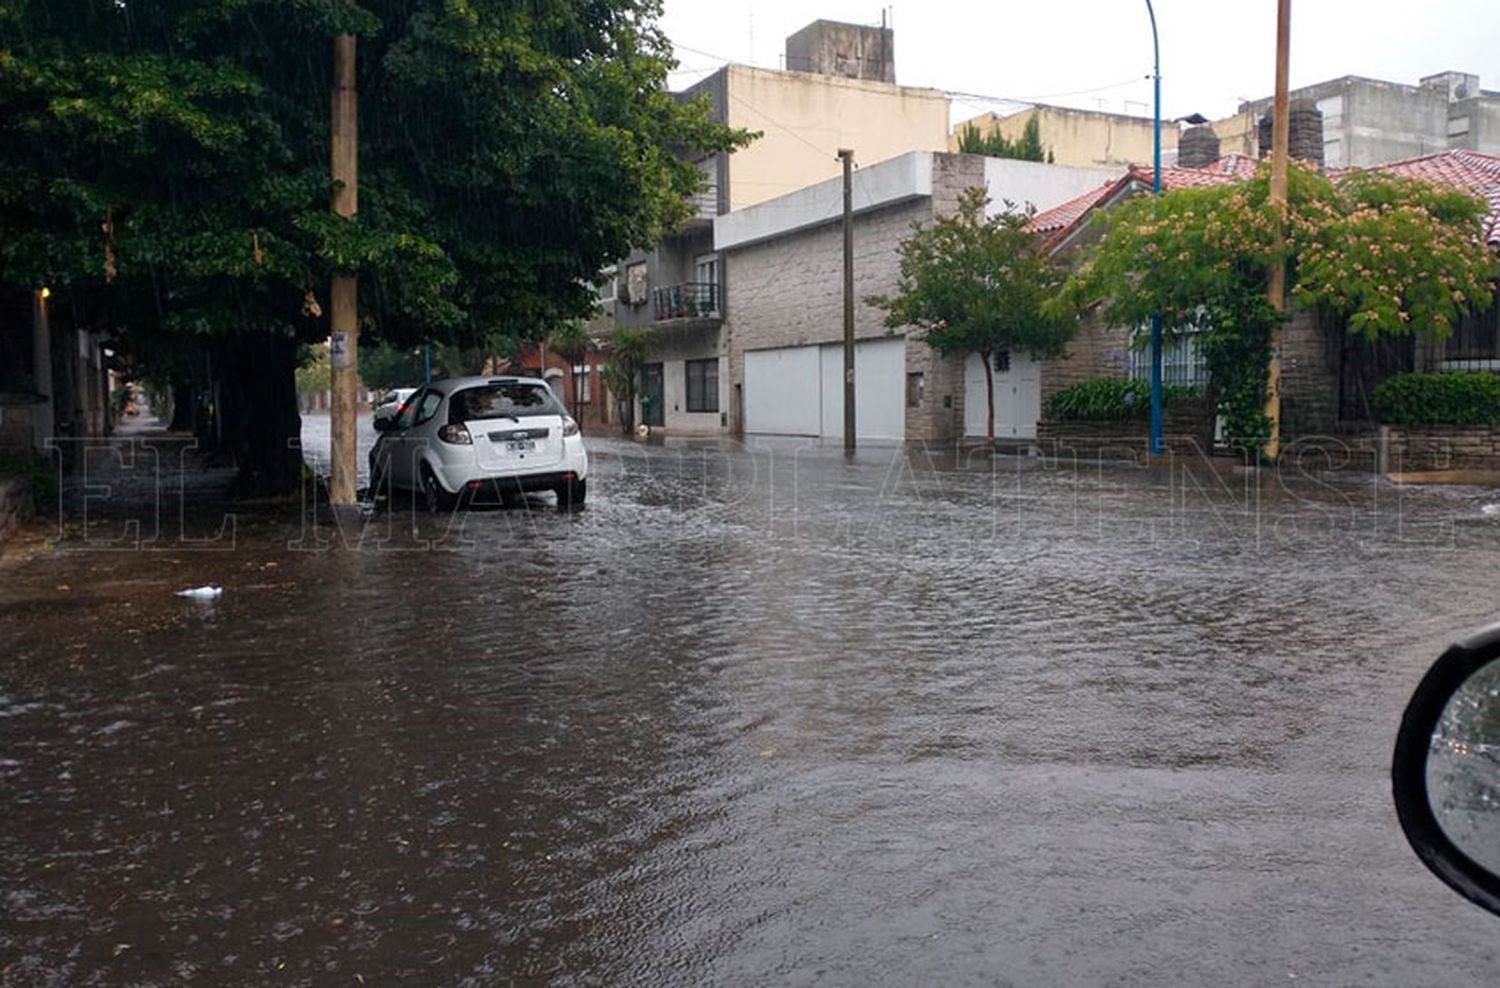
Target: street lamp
{"type": "Point", "coordinates": [1156, 191]}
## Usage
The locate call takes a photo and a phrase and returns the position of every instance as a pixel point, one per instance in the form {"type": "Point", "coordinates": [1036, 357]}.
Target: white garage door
{"type": "Point", "coordinates": [780, 400]}
{"type": "Point", "coordinates": [1018, 396]}
{"type": "Point", "coordinates": [781, 391]}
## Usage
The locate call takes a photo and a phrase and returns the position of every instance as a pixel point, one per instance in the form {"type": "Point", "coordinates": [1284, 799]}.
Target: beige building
{"type": "Point", "coordinates": [1087, 138]}
{"type": "Point", "coordinates": [839, 92]}
{"type": "Point", "coordinates": [804, 118]}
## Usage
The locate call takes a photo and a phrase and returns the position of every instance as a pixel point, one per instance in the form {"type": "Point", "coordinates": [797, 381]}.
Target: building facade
{"type": "Point", "coordinates": [837, 93]}
{"type": "Point", "coordinates": [1087, 138]}
{"type": "Point", "coordinates": [1368, 122]}
{"type": "Point", "coordinates": [781, 351]}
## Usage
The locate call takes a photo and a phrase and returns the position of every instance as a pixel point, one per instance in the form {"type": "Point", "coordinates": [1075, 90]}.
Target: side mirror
{"type": "Point", "coordinates": [1446, 769]}
{"type": "Point", "coordinates": [384, 423]}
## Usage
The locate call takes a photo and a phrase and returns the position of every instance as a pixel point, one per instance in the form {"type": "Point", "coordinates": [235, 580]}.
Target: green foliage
{"type": "Point", "coordinates": [1385, 255]}
{"type": "Point", "coordinates": [164, 166]}
{"type": "Point", "coordinates": [313, 371]}
{"type": "Point", "coordinates": [1450, 398]}
{"type": "Point", "coordinates": [1027, 147]}
{"type": "Point", "coordinates": [382, 366]}
{"type": "Point", "coordinates": [1394, 256]}
{"type": "Point", "coordinates": [570, 340]}
{"type": "Point", "coordinates": [1110, 398]}
{"type": "Point", "coordinates": [974, 285]}
{"type": "Point", "coordinates": [629, 348]}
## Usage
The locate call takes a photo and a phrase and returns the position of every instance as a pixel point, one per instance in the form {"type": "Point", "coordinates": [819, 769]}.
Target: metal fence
{"type": "Point", "coordinates": [686, 301]}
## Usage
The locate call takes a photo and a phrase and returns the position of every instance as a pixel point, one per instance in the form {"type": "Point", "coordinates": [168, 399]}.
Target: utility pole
{"type": "Point", "coordinates": [1280, 139]}
{"type": "Point", "coordinates": [847, 157]}
{"type": "Point", "coordinates": [343, 340]}
{"type": "Point", "coordinates": [1156, 419]}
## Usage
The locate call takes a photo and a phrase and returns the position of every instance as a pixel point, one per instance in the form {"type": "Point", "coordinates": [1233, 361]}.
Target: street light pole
{"type": "Point", "coordinates": [1156, 446]}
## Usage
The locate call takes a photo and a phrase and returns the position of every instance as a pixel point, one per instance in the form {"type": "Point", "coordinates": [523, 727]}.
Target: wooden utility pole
{"type": "Point", "coordinates": [847, 157]}
{"type": "Point", "coordinates": [1280, 139]}
{"type": "Point", "coordinates": [343, 340]}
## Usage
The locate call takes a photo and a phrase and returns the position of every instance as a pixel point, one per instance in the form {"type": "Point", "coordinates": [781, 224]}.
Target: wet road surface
{"type": "Point", "coordinates": [751, 717]}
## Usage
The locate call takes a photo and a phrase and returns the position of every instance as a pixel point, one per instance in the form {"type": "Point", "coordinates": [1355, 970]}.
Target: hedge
{"type": "Point", "coordinates": [1448, 398]}
{"type": "Point", "coordinates": [1107, 398]}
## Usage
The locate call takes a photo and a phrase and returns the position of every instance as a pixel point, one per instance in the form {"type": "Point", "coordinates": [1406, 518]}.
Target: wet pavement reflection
{"type": "Point", "coordinates": [754, 716]}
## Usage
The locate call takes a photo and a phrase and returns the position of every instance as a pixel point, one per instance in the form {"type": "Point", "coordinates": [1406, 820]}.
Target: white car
{"type": "Point", "coordinates": [481, 438]}
{"type": "Point", "coordinates": [390, 403]}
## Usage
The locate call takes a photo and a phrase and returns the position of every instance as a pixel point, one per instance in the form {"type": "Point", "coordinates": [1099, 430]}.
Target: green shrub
{"type": "Point", "coordinates": [1106, 398]}
{"type": "Point", "coordinates": [1450, 398]}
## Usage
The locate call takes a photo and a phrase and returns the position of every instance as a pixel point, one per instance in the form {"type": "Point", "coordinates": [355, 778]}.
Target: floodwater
{"type": "Point", "coordinates": [754, 716]}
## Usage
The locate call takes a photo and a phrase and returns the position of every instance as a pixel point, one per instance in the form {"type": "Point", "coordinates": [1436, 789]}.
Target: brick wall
{"type": "Point", "coordinates": [1186, 429]}
{"type": "Point", "coordinates": [1096, 350]}
{"type": "Point", "coordinates": [1309, 386]}
{"type": "Point", "coordinates": [1409, 449]}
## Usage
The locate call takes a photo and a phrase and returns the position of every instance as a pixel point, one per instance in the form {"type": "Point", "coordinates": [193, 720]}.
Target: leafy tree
{"type": "Point", "coordinates": [975, 285]}
{"type": "Point", "coordinates": [164, 168]}
{"type": "Point", "coordinates": [628, 350]}
{"type": "Point", "coordinates": [1027, 147]}
{"type": "Point", "coordinates": [1383, 254]}
{"type": "Point", "coordinates": [1394, 256]}
{"type": "Point", "coordinates": [383, 367]}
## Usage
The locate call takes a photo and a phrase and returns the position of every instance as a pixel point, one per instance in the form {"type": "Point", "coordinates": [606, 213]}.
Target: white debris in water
{"type": "Point", "coordinates": [1490, 510]}
{"type": "Point", "coordinates": [201, 593]}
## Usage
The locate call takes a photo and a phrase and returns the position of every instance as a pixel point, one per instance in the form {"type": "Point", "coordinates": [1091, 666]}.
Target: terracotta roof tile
{"type": "Point", "coordinates": [1472, 170]}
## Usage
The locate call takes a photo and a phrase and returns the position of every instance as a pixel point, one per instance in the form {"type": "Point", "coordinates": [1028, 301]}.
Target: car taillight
{"type": "Point", "coordinates": [455, 434]}
{"type": "Point", "coordinates": [570, 427]}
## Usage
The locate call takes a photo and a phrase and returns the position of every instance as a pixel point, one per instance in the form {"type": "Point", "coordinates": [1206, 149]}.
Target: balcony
{"type": "Point", "coordinates": [695, 300]}
{"type": "Point", "coordinates": [705, 206]}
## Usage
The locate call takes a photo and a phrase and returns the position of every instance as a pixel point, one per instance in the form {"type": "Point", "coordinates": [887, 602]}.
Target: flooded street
{"type": "Point", "coordinates": [754, 716]}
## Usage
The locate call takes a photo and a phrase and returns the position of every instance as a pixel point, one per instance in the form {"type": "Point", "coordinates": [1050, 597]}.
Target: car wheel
{"type": "Point", "coordinates": [571, 494]}
{"type": "Point", "coordinates": [434, 498]}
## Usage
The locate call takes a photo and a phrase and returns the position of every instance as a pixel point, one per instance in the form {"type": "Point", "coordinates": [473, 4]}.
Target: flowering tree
{"type": "Point", "coordinates": [975, 285]}
{"type": "Point", "coordinates": [1381, 254]}
{"type": "Point", "coordinates": [1394, 256]}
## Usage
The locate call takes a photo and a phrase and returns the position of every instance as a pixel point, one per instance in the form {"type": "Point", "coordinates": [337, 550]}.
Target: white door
{"type": "Point", "coordinates": [781, 391]}
{"type": "Point", "coordinates": [1018, 395]}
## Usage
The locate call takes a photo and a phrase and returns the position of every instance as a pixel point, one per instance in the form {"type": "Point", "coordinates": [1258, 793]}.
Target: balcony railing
{"type": "Point", "coordinates": [705, 203]}
{"type": "Point", "coordinates": [690, 300]}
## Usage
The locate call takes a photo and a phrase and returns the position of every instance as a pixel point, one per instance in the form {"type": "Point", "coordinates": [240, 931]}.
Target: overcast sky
{"type": "Point", "coordinates": [1097, 53]}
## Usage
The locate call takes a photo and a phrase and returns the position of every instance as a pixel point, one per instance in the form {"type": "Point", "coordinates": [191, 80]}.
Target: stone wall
{"type": "Point", "coordinates": [1096, 350]}
{"type": "Point", "coordinates": [1420, 449]}
{"type": "Point", "coordinates": [1186, 430]}
{"type": "Point", "coordinates": [1309, 385]}
{"type": "Point", "coordinates": [15, 504]}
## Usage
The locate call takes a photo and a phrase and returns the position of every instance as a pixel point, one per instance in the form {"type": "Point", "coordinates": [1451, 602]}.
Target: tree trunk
{"type": "Point", "coordinates": [184, 405]}
{"type": "Point", "coordinates": [260, 414]}
{"type": "Point", "coordinates": [989, 397]}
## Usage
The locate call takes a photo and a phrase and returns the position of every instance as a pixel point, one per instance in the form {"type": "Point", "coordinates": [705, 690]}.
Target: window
{"type": "Point", "coordinates": [608, 289]}
{"type": "Point", "coordinates": [1477, 336]}
{"type": "Point", "coordinates": [635, 283]}
{"type": "Point", "coordinates": [581, 394]}
{"type": "Point", "coordinates": [1002, 361]}
{"type": "Point", "coordinates": [428, 406]}
{"type": "Point", "coordinates": [915, 384]}
{"type": "Point", "coordinates": [494, 401]}
{"type": "Point", "coordinates": [703, 385]}
{"type": "Point", "coordinates": [407, 416]}
{"type": "Point", "coordinates": [1182, 359]}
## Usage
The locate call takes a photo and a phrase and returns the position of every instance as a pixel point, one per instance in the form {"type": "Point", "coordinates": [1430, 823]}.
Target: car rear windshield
{"type": "Point", "coordinates": [497, 401]}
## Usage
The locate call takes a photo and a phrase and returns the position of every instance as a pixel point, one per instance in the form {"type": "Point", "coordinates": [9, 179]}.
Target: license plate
{"type": "Point", "coordinates": [520, 445]}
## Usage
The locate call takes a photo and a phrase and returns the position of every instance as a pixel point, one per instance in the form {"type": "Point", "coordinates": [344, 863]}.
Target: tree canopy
{"type": "Point", "coordinates": [1027, 147]}
{"type": "Point", "coordinates": [1375, 253]}
{"type": "Point", "coordinates": [164, 163]}
{"type": "Point", "coordinates": [974, 284]}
